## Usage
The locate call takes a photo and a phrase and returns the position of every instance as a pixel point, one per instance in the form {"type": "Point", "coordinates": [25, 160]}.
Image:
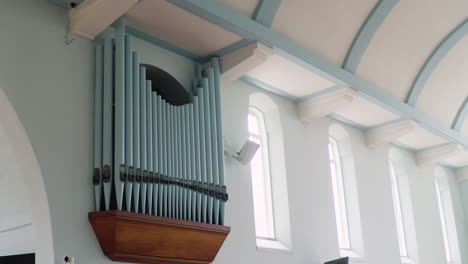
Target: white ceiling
{"type": "Point", "coordinates": [396, 53]}
{"type": "Point", "coordinates": [179, 27]}
{"type": "Point", "coordinates": [289, 77]}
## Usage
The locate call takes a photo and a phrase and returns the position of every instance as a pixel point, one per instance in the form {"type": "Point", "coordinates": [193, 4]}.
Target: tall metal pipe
{"type": "Point", "coordinates": [155, 151]}
{"type": "Point", "coordinates": [214, 142]}
{"type": "Point", "coordinates": [209, 156]}
{"type": "Point", "coordinates": [143, 138]}
{"type": "Point", "coordinates": [149, 142]}
{"type": "Point", "coordinates": [98, 118]}
{"type": "Point", "coordinates": [119, 109]}
{"type": "Point", "coordinates": [136, 131]}
{"type": "Point", "coordinates": [198, 154]}
{"type": "Point", "coordinates": [183, 195]}
{"type": "Point", "coordinates": [203, 151]}
{"type": "Point", "coordinates": [193, 172]}
{"type": "Point", "coordinates": [219, 129]}
{"type": "Point", "coordinates": [128, 120]}
{"type": "Point", "coordinates": [165, 141]}
{"type": "Point", "coordinates": [108, 120]}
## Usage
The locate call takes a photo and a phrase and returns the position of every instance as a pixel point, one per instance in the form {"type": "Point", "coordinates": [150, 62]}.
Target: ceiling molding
{"type": "Point", "coordinates": [243, 26]}
{"type": "Point", "coordinates": [366, 33]}
{"type": "Point", "coordinates": [461, 115]}
{"type": "Point", "coordinates": [434, 59]}
{"type": "Point", "coordinates": [266, 11]}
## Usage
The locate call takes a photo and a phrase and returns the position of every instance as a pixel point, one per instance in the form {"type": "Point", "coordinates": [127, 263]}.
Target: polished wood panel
{"type": "Point", "coordinates": [140, 238]}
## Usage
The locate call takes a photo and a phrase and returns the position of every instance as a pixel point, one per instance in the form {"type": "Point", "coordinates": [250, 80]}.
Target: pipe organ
{"type": "Point", "coordinates": [151, 156]}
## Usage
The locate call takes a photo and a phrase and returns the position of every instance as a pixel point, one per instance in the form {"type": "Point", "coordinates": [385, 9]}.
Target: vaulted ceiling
{"type": "Point", "coordinates": [408, 58]}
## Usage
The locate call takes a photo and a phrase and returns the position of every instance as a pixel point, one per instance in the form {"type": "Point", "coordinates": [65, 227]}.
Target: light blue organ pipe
{"type": "Point", "coordinates": [128, 118]}
{"type": "Point", "coordinates": [198, 153]}
{"type": "Point", "coordinates": [161, 152]}
{"type": "Point", "coordinates": [219, 129]}
{"type": "Point", "coordinates": [149, 142]}
{"type": "Point", "coordinates": [119, 109]}
{"type": "Point", "coordinates": [171, 160]}
{"type": "Point", "coordinates": [203, 150]}
{"type": "Point", "coordinates": [143, 141]}
{"type": "Point", "coordinates": [176, 160]}
{"type": "Point", "coordinates": [209, 156]}
{"type": "Point", "coordinates": [108, 144]}
{"type": "Point", "coordinates": [183, 195]}
{"type": "Point", "coordinates": [214, 142]}
{"type": "Point", "coordinates": [187, 167]}
{"type": "Point", "coordinates": [179, 162]}
{"type": "Point", "coordinates": [192, 159]}
{"type": "Point", "coordinates": [98, 86]}
{"type": "Point", "coordinates": [155, 151]}
{"type": "Point", "coordinates": [136, 129]}
{"type": "Point", "coordinates": [165, 152]}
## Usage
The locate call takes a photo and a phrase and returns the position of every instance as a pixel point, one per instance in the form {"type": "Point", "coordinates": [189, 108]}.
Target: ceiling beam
{"type": "Point", "coordinates": [461, 115]}
{"type": "Point", "coordinates": [266, 11]}
{"type": "Point", "coordinates": [366, 33]}
{"type": "Point", "coordinates": [385, 134]}
{"type": "Point", "coordinates": [434, 59]}
{"type": "Point", "coordinates": [438, 154]}
{"type": "Point", "coordinates": [243, 60]}
{"type": "Point", "coordinates": [221, 15]}
{"type": "Point", "coordinates": [323, 105]}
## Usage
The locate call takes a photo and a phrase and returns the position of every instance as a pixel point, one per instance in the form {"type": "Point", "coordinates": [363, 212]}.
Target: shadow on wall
{"type": "Point", "coordinates": [26, 228]}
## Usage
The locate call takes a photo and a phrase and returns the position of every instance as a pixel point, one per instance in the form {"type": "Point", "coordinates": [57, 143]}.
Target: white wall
{"type": "Point", "coordinates": [51, 86]}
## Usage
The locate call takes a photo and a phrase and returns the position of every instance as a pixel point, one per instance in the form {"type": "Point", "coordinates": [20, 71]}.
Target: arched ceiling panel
{"type": "Point", "coordinates": [289, 77]}
{"type": "Point", "coordinates": [366, 113]}
{"type": "Point", "coordinates": [179, 27]}
{"type": "Point", "coordinates": [406, 39]}
{"type": "Point", "coordinates": [420, 138]}
{"type": "Point", "coordinates": [447, 88]}
{"type": "Point", "coordinates": [325, 27]}
{"type": "Point", "coordinates": [245, 7]}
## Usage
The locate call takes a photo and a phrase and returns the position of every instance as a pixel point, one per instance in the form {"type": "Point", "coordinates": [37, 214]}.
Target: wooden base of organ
{"type": "Point", "coordinates": [141, 238]}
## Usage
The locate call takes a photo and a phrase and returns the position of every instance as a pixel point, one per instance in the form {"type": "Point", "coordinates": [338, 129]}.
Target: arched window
{"type": "Point", "coordinates": [402, 206]}
{"type": "Point", "coordinates": [269, 183]}
{"type": "Point", "coordinates": [345, 194]}
{"type": "Point", "coordinates": [398, 212]}
{"type": "Point", "coordinates": [261, 179]}
{"type": "Point", "coordinates": [447, 218]}
{"type": "Point", "coordinates": [339, 198]}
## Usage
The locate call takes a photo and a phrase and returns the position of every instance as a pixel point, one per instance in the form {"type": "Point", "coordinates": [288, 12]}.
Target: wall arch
{"type": "Point", "coordinates": [16, 144]}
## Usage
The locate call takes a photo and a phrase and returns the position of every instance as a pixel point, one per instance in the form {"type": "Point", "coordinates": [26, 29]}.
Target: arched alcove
{"type": "Point", "coordinates": [21, 168]}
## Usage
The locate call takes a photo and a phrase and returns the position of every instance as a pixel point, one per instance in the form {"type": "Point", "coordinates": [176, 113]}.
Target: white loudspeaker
{"type": "Point", "coordinates": [247, 152]}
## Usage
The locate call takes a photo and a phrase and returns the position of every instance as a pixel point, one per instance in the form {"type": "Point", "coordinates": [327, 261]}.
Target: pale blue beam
{"type": "Point", "coordinates": [461, 115]}
{"type": "Point", "coordinates": [225, 17]}
{"type": "Point", "coordinates": [266, 11]}
{"type": "Point", "coordinates": [347, 121]}
{"type": "Point", "coordinates": [164, 44]}
{"type": "Point", "coordinates": [98, 118]}
{"type": "Point", "coordinates": [107, 156]}
{"type": "Point", "coordinates": [136, 130]}
{"type": "Point", "coordinates": [119, 109]}
{"type": "Point", "coordinates": [431, 63]}
{"type": "Point", "coordinates": [366, 33]}
{"type": "Point", "coordinates": [128, 119]}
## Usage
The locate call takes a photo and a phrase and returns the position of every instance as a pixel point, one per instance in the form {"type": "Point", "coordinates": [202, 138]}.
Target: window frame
{"type": "Point", "coordinates": [339, 195]}
{"type": "Point", "coordinates": [262, 139]}
{"type": "Point", "coordinates": [397, 207]}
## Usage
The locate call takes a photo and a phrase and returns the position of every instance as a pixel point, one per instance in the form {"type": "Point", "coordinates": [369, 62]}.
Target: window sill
{"type": "Point", "coordinates": [273, 246]}
{"type": "Point", "coordinates": [354, 257]}
{"type": "Point", "coordinates": [406, 260]}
